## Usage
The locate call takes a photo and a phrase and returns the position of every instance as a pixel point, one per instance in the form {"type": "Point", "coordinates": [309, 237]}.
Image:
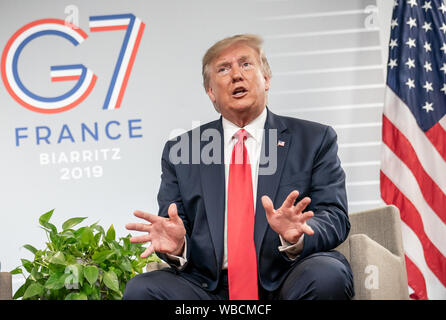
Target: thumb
{"type": "Point", "coordinates": [173, 212]}
{"type": "Point", "coordinates": [268, 205]}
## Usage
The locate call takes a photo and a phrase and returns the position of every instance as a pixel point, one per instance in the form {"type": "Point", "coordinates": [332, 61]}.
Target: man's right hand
{"type": "Point", "coordinates": [165, 234]}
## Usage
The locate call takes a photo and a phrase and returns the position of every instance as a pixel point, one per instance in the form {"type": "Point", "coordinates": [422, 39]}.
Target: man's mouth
{"type": "Point", "coordinates": [239, 92]}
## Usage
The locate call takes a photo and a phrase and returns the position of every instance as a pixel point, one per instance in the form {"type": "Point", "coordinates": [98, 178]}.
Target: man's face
{"type": "Point", "coordinates": [237, 85]}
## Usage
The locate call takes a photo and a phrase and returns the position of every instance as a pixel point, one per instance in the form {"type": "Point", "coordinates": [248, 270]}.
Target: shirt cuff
{"type": "Point", "coordinates": [292, 250]}
{"type": "Point", "coordinates": [179, 261]}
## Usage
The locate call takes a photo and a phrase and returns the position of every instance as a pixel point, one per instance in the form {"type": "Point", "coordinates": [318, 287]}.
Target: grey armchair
{"type": "Point", "coordinates": [5, 286]}
{"type": "Point", "coordinates": [374, 249]}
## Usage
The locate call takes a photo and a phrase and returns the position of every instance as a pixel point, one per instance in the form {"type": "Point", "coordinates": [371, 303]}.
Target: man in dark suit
{"type": "Point", "coordinates": [260, 216]}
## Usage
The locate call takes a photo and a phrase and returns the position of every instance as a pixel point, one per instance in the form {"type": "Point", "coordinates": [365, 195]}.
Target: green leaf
{"type": "Point", "coordinates": [87, 237]}
{"type": "Point", "coordinates": [16, 271]}
{"type": "Point", "coordinates": [100, 256]}
{"type": "Point", "coordinates": [126, 242]}
{"type": "Point", "coordinates": [35, 289]}
{"type": "Point", "coordinates": [110, 234]}
{"type": "Point", "coordinates": [70, 259]}
{"type": "Point", "coordinates": [111, 281]}
{"type": "Point", "coordinates": [55, 240]}
{"type": "Point", "coordinates": [56, 281]}
{"type": "Point", "coordinates": [30, 248]}
{"type": "Point", "coordinates": [67, 234]}
{"type": "Point", "coordinates": [58, 258]}
{"type": "Point", "coordinates": [80, 296]}
{"type": "Point", "coordinates": [126, 265]}
{"type": "Point", "coordinates": [35, 274]}
{"type": "Point", "coordinates": [153, 258]}
{"type": "Point", "coordinates": [97, 237]}
{"type": "Point", "coordinates": [43, 220]}
{"type": "Point", "coordinates": [21, 291]}
{"type": "Point", "coordinates": [27, 264]}
{"type": "Point", "coordinates": [72, 222]}
{"type": "Point", "coordinates": [91, 273]}
{"type": "Point", "coordinates": [76, 296]}
{"type": "Point", "coordinates": [98, 228]}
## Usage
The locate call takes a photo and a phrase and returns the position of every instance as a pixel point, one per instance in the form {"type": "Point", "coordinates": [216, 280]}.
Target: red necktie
{"type": "Point", "coordinates": [242, 260]}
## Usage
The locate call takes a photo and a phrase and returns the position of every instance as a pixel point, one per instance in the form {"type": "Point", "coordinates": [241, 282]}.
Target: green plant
{"type": "Point", "coordinates": [80, 264]}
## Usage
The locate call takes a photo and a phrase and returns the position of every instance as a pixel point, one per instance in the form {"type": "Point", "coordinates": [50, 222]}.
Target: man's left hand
{"type": "Point", "coordinates": [289, 220]}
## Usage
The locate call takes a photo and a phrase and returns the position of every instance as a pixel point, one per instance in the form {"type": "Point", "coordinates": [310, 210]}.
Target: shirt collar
{"type": "Point", "coordinates": [254, 128]}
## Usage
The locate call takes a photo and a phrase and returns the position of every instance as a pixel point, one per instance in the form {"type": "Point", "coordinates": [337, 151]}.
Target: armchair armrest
{"type": "Point", "coordinates": [380, 274]}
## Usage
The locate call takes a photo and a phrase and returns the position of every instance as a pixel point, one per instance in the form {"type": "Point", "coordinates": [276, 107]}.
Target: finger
{"type": "Point", "coordinates": [173, 213]}
{"type": "Point", "coordinates": [140, 239]}
{"type": "Point", "coordinates": [306, 215]}
{"type": "Point", "coordinates": [268, 205]}
{"type": "Point", "coordinates": [289, 201]}
{"type": "Point", "coordinates": [137, 227]}
{"type": "Point", "coordinates": [307, 229]}
{"type": "Point", "coordinates": [146, 216]}
{"type": "Point", "coordinates": [302, 204]}
{"type": "Point", "coordinates": [148, 251]}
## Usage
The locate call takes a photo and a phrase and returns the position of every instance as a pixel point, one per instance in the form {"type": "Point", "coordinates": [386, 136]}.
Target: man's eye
{"type": "Point", "coordinates": [222, 70]}
{"type": "Point", "coordinates": [246, 64]}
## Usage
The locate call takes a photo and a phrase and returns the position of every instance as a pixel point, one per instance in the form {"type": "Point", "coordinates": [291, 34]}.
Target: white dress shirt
{"type": "Point", "coordinates": [253, 144]}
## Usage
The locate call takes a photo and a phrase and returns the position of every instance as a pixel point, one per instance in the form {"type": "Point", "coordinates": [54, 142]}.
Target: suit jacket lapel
{"type": "Point", "coordinates": [213, 188]}
{"type": "Point", "coordinates": [268, 184]}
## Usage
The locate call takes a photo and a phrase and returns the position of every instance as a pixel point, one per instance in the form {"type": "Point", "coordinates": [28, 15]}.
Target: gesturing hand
{"type": "Point", "coordinates": [289, 221]}
{"type": "Point", "coordinates": [165, 234]}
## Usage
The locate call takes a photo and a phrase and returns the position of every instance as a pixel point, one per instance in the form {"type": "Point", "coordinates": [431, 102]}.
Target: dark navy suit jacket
{"type": "Point", "coordinates": [306, 162]}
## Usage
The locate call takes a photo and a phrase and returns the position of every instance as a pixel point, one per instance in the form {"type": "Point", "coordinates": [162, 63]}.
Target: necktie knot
{"type": "Point", "coordinates": [241, 135]}
{"type": "Point", "coordinates": [239, 153]}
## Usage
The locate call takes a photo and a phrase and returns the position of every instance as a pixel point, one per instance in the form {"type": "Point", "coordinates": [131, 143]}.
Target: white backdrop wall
{"type": "Point", "coordinates": [327, 59]}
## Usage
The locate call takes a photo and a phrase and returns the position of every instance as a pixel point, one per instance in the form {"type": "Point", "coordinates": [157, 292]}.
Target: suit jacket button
{"type": "Point", "coordinates": [204, 285]}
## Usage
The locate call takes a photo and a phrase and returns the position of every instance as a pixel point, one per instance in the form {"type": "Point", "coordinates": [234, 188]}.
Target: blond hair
{"type": "Point", "coordinates": [251, 40]}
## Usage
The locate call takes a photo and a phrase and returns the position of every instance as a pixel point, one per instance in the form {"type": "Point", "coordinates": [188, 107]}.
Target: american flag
{"type": "Point", "coordinates": [413, 168]}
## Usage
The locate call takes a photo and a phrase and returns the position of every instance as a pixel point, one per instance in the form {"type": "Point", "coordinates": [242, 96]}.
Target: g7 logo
{"type": "Point", "coordinates": [84, 77]}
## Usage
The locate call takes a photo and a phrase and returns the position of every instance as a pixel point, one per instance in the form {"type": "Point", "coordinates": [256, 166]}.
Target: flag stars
{"type": "Point", "coordinates": [410, 63]}
{"type": "Point", "coordinates": [410, 83]}
{"type": "Point", "coordinates": [393, 43]}
{"type": "Point", "coordinates": [444, 88]}
{"type": "Point", "coordinates": [427, 5]}
{"type": "Point", "coordinates": [428, 86]}
{"type": "Point", "coordinates": [427, 26]}
{"type": "Point", "coordinates": [428, 107]}
{"type": "Point", "coordinates": [394, 23]}
{"type": "Point", "coordinates": [411, 42]}
{"type": "Point", "coordinates": [412, 22]}
{"type": "Point", "coordinates": [392, 63]}
{"type": "Point", "coordinates": [443, 68]}
{"type": "Point", "coordinates": [427, 66]}
{"type": "Point", "coordinates": [427, 46]}
{"type": "Point", "coordinates": [442, 8]}
{"type": "Point", "coordinates": [443, 28]}
{"type": "Point", "coordinates": [412, 3]}
{"type": "Point", "coordinates": [443, 48]}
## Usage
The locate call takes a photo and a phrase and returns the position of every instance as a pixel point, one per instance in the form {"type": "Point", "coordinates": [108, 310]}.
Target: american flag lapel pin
{"type": "Point", "coordinates": [281, 143]}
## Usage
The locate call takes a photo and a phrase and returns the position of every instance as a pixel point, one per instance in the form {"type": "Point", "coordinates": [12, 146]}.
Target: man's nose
{"type": "Point", "coordinates": [236, 73]}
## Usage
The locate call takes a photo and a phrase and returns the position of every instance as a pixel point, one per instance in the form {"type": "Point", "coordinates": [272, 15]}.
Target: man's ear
{"type": "Point", "coordinates": [211, 94]}
{"type": "Point", "coordinates": [266, 82]}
